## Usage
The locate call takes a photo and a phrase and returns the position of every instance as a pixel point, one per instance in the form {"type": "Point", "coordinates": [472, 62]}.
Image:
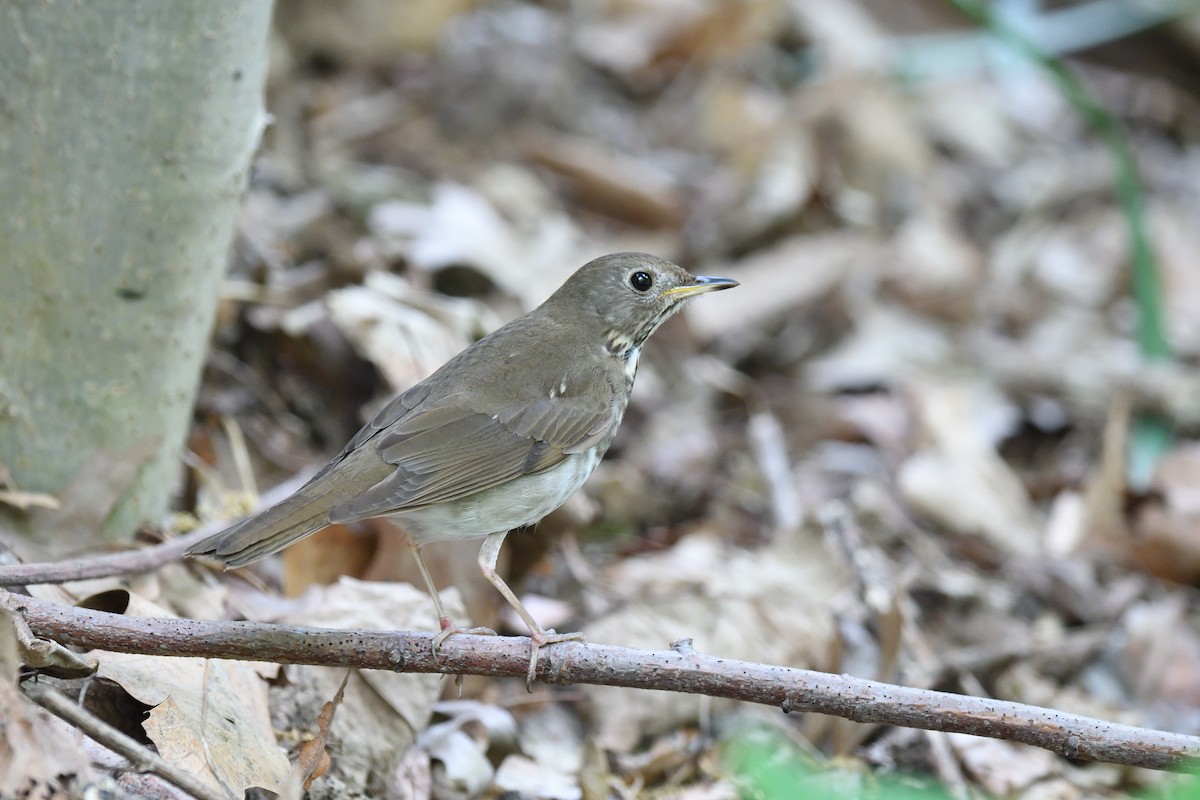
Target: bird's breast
{"type": "Point", "coordinates": [513, 504]}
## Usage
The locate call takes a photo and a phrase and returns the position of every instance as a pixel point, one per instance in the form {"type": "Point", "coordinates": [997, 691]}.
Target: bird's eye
{"type": "Point", "coordinates": [641, 281]}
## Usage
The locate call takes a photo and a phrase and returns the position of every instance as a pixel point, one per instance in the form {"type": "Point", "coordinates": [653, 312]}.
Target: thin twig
{"type": "Point", "coordinates": [142, 758]}
{"type": "Point", "coordinates": [130, 561]}
{"type": "Point", "coordinates": [684, 670]}
{"type": "Point", "coordinates": [124, 563]}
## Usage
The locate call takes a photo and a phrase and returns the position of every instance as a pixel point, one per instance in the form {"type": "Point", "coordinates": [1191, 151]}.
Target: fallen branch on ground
{"type": "Point", "coordinates": [679, 670]}
{"type": "Point", "coordinates": [140, 757]}
{"type": "Point", "coordinates": [128, 562]}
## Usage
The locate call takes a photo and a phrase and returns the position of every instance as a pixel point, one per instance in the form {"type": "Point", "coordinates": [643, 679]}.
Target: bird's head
{"type": "Point", "coordinates": [626, 296]}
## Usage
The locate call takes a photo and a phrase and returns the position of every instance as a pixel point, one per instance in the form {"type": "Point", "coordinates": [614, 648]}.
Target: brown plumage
{"type": "Point", "coordinates": [499, 436]}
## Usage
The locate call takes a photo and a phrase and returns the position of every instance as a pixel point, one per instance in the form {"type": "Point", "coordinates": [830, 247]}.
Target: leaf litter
{"type": "Point", "coordinates": [933, 333]}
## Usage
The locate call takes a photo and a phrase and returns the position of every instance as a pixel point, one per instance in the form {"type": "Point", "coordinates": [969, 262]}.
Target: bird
{"type": "Point", "coordinates": [495, 439]}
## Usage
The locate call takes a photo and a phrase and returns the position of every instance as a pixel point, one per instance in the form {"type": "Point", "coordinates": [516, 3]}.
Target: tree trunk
{"type": "Point", "coordinates": [126, 135]}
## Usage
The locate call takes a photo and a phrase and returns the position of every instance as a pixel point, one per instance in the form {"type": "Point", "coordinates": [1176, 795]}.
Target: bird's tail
{"type": "Point", "coordinates": [300, 515]}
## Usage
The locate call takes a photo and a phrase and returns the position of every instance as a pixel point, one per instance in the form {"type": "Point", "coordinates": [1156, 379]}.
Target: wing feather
{"type": "Point", "coordinates": [449, 450]}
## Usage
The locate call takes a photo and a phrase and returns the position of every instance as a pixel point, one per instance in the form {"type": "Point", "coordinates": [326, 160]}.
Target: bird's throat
{"type": "Point", "coordinates": [631, 364]}
{"type": "Point", "coordinates": [626, 351]}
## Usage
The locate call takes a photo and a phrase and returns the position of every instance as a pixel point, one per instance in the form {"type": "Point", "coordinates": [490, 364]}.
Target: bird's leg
{"type": "Point", "coordinates": [444, 622]}
{"type": "Point", "coordinates": [488, 554]}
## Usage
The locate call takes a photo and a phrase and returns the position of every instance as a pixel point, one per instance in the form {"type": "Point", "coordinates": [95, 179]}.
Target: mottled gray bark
{"type": "Point", "coordinates": [126, 135]}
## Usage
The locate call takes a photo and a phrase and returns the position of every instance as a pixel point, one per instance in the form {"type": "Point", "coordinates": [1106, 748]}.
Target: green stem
{"type": "Point", "coordinates": [1151, 435]}
{"type": "Point", "coordinates": [1147, 289]}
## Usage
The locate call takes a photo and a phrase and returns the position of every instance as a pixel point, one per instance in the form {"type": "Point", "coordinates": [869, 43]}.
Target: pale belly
{"type": "Point", "coordinates": [522, 501]}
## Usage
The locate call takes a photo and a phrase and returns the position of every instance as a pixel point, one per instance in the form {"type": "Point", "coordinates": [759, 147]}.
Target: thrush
{"type": "Point", "coordinates": [498, 437]}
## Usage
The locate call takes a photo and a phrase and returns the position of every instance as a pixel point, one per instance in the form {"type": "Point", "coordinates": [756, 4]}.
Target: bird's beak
{"type": "Point", "coordinates": [703, 284]}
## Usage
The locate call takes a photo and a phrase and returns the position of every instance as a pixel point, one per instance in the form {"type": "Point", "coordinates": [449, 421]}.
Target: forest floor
{"type": "Point", "coordinates": [934, 337]}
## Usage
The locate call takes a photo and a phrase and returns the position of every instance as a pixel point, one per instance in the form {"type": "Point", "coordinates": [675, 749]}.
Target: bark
{"type": "Point", "coordinates": [126, 136]}
{"type": "Point", "coordinates": [680, 669]}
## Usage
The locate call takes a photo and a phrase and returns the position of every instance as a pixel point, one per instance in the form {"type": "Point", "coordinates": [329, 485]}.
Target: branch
{"type": "Point", "coordinates": [124, 563]}
{"type": "Point", "coordinates": [142, 758]}
{"type": "Point", "coordinates": [679, 670]}
{"type": "Point", "coordinates": [130, 561]}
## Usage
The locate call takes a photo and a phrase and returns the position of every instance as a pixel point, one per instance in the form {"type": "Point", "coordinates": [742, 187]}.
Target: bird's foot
{"type": "Point", "coordinates": [449, 629]}
{"type": "Point", "coordinates": [539, 639]}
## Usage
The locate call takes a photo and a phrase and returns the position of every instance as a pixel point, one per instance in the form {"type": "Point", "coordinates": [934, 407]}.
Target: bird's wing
{"type": "Point", "coordinates": [447, 449]}
{"type": "Point", "coordinates": [395, 410]}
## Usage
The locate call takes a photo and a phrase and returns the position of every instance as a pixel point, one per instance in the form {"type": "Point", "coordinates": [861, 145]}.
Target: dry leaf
{"type": "Point", "coordinates": [629, 189]}
{"type": "Point", "coordinates": [200, 707]}
{"type": "Point", "coordinates": [35, 747]}
{"type": "Point", "coordinates": [626, 37]}
{"type": "Point", "coordinates": [768, 605]}
{"type": "Point", "coordinates": [313, 759]}
{"type": "Point", "coordinates": [1159, 661]}
{"type": "Point", "coordinates": [533, 779]}
{"type": "Point", "coordinates": [1003, 768]}
{"type": "Point", "coordinates": [552, 736]}
{"type": "Point", "coordinates": [779, 280]}
{"type": "Point", "coordinates": [887, 347]}
{"type": "Point", "coordinates": [1104, 495]}
{"type": "Point", "coordinates": [458, 747]}
{"type": "Point", "coordinates": [966, 116]}
{"type": "Point", "coordinates": [27, 500]}
{"type": "Point", "coordinates": [463, 227]}
{"type": "Point", "coordinates": [935, 268]}
{"type": "Point", "coordinates": [404, 332]}
{"type": "Point", "coordinates": [365, 32]}
{"type": "Point", "coordinates": [850, 38]}
{"type": "Point", "coordinates": [326, 556]}
{"type": "Point", "coordinates": [412, 778]}
{"type": "Point", "coordinates": [460, 767]}
{"type": "Point", "coordinates": [959, 479]}
{"type": "Point", "coordinates": [210, 717]}
{"type": "Point", "coordinates": [1164, 544]}
{"type": "Point", "coordinates": [381, 711]}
